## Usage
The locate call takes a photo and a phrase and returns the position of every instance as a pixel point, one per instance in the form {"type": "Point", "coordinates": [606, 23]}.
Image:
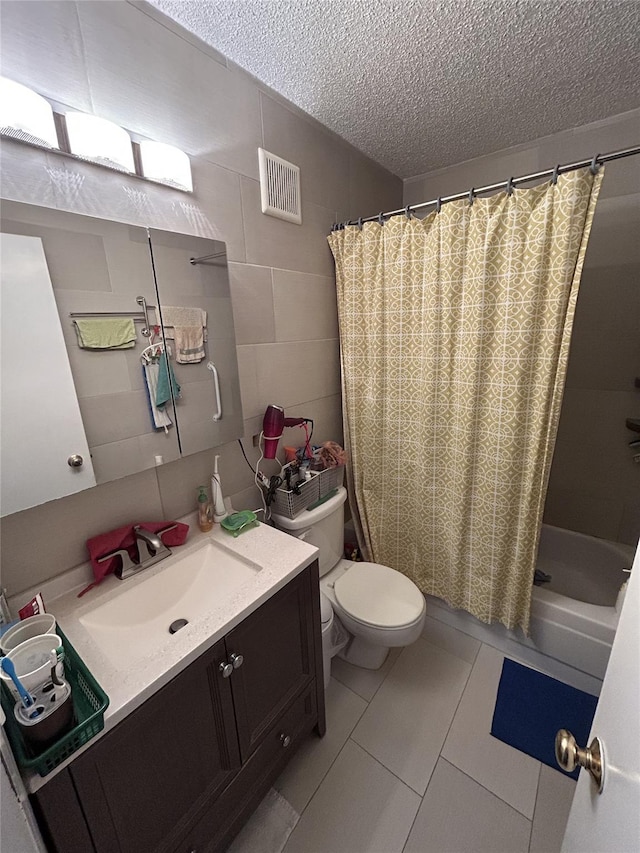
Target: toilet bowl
{"type": "Point", "coordinates": [379, 607]}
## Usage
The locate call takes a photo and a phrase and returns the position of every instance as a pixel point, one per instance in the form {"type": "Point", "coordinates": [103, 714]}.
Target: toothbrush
{"type": "Point", "coordinates": [55, 656]}
{"type": "Point", "coordinates": [9, 668]}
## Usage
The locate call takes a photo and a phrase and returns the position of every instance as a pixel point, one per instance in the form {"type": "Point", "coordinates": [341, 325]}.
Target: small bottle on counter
{"type": "Point", "coordinates": [205, 511]}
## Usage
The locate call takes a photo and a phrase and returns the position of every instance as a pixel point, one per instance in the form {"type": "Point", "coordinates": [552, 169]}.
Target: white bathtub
{"type": "Point", "coordinates": [573, 617]}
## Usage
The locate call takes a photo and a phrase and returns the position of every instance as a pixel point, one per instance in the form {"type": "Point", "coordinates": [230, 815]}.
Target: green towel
{"type": "Point", "coordinates": [166, 379]}
{"type": "Point", "coordinates": [112, 333]}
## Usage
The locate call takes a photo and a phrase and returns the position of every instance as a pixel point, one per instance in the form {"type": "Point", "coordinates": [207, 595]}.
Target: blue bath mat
{"type": "Point", "coordinates": [531, 707]}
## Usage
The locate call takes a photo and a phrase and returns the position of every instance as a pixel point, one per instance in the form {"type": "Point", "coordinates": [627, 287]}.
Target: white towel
{"type": "Point", "coordinates": [160, 418]}
{"type": "Point", "coordinates": [187, 327]}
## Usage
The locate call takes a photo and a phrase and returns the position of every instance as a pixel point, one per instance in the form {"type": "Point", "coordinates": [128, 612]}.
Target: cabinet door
{"type": "Point", "coordinates": [277, 646]}
{"type": "Point", "coordinates": [41, 423]}
{"type": "Point", "coordinates": [143, 785]}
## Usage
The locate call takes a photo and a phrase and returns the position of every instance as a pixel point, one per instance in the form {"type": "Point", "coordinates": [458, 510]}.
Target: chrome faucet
{"type": "Point", "coordinates": [152, 541]}
{"type": "Point", "coordinates": [150, 549]}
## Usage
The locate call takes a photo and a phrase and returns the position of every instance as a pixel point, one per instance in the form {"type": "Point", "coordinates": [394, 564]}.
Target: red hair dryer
{"type": "Point", "coordinates": [273, 423]}
{"type": "Point", "coordinates": [272, 426]}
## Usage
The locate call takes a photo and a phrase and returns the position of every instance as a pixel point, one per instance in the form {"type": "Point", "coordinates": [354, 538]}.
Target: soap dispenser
{"type": "Point", "coordinates": [205, 511]}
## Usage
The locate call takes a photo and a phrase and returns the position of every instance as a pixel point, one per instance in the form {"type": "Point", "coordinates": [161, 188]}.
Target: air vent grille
{"type": "Point", "coordinates": [279, 187]}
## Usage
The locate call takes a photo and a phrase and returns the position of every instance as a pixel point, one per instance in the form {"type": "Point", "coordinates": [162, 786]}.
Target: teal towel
{"type": "Point", "coordinates": [166, 379]}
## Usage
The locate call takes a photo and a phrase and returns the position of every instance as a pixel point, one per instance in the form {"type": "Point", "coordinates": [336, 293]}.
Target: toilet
{"type": "Point", "coordinates": [379, 607]}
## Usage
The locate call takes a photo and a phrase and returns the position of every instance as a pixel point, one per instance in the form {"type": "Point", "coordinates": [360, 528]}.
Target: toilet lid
{"type": "Point", "coordinates": [379, 596]}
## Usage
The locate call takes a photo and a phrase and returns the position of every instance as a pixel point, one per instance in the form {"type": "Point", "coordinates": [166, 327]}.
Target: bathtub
{"type": "Point", "coordinates": [573, 617]}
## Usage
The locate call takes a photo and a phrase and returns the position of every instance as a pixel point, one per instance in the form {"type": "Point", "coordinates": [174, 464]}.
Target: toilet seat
{"type": "Point", "coordinates": [379, 596]}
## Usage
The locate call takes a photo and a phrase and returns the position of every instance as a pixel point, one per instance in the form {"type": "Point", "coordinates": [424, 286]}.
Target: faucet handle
{"type": "Point", "coordinates": [126, 565]}
{"type": "Point", "coordinates": [164, 530]}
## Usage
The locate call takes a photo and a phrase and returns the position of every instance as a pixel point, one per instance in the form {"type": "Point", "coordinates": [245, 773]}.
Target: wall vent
{"type": "Point", "coordinates": [279, 187]}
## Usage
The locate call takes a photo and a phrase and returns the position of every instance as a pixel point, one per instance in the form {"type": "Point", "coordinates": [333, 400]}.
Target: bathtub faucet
{"type": "Point", "coordinates": [540, 577]}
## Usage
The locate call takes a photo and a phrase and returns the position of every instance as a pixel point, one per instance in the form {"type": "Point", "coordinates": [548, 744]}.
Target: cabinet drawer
{"type": "Point", "coordinates": [215, 830]}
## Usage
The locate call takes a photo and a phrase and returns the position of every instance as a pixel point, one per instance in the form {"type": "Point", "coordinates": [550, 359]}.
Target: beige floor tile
{"type": "Point", "coordinates": [450, 639]}
{"type": "Point", "coordinates": [507, 772]}
{"type": "Point", "coordinates": [359, 808]}
{"type": "Point", "coordinates": [458, 815]}
{"type": "Point", "coordinates": [553, 803]}
{"type": "Point", "coordinates": [364, 682]}
{"type": "Point", "coordinates": [308, 767]}
{"type": "Point", "coordinates": [407, 721]}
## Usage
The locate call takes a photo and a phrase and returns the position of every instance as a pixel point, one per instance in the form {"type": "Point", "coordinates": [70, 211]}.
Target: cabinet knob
{"type": "Point", "coordinates": [236, 660]}
{"type": "Point", "coordinates": [75, 461]}
{"type": "Point", "coordinates": [285, 740]}
{"type": "Point", "coordinates": [226, 669]}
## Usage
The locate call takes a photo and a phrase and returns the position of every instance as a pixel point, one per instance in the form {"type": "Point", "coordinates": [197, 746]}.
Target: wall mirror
{"type": "Point", "coordinates": [61, 272]}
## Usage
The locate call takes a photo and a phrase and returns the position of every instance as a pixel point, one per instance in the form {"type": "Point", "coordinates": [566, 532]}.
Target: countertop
{"type": "Point", "coordinates": [281, 558]}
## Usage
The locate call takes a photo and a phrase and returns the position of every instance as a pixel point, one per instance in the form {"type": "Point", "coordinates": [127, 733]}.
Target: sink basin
{"type": "Point", "coordinates": [136, 620]}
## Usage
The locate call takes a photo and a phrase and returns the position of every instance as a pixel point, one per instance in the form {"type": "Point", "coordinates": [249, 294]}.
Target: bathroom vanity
{"type": "Point", "coordinates": [184, 769]}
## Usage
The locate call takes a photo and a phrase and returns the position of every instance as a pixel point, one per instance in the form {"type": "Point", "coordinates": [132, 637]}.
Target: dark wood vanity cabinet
{"type": "Point", "coordinates": [182, 773]}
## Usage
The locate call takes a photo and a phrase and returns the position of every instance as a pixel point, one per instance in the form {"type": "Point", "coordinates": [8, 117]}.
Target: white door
{"type": "Point", "coordinates": [41, 422]}
{"type": "Point", "coordinates": [610, 821]}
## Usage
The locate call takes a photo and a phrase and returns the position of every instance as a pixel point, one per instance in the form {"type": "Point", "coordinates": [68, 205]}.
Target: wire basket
{"type": "Point", "coordinates": [329, 479]}
{"type": "Point", "coordinates": [89, 704]}
{"type": "Point", "coordinates": [289, 504]}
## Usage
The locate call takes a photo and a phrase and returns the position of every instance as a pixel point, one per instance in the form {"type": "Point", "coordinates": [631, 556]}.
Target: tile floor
{"type": "Point", "coordinates": [408, 764]}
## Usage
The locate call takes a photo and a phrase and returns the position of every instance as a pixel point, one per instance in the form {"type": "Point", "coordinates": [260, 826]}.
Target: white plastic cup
{"type": "Point", "coordinates": [32, 626]}
{"type": "Point", "coordinates": [31, 661]}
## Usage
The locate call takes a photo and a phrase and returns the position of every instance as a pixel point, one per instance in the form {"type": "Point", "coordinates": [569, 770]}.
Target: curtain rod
{"type": "Point", "coordinates": [594, 163]}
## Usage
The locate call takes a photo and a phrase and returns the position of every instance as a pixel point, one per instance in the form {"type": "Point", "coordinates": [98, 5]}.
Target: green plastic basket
{"type": "Point", "coordinates": [89, 704]}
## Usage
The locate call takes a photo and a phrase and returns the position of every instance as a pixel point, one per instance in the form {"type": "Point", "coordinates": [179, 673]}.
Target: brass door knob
{"type": "Point", "coordinates": [569, 756]}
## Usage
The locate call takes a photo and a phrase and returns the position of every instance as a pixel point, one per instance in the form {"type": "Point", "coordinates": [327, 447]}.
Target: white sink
{"type": "Point", "coordinates": [135, 621]}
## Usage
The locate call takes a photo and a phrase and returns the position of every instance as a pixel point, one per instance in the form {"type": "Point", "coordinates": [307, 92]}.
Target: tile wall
{"type": "Point", "coordinates": [595, 484]}
{"type": "Point", "coordinates": [126, 62]}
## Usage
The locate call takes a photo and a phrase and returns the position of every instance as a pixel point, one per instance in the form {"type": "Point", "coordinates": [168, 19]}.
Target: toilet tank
{"type": "Point", "coordinates": [322, 527]}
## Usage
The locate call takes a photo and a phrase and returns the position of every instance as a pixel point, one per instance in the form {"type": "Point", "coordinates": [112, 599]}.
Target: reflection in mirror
{"type": "Point", "coordinates": [197, 319]}
{"type": "Point", "coordinates": [126, 385]}
{"type": "Point", "coordinates": [44, 452]}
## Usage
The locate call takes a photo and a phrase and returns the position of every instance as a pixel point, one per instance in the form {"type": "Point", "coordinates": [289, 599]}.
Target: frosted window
{"type": "Point", "coordinates": [167, 164]}
{"type": "Point", "coordinates": [100, 140]}
{"type": "Point", "coordinates": [25, 115]}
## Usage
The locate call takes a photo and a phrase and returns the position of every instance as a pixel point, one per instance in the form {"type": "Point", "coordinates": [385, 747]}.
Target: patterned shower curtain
{"type": "Point", "coordinates": [454, 334]}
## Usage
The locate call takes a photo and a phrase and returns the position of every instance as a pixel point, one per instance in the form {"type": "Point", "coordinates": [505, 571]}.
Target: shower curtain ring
{"type": "Point", "coordinates": [595, 165]}
{"type": "Point", "coordinates": [407, 212]}
{"type": "Point", "coordinates": [439, 204]}
{"type": "Point", "coordinates": [380, 219]}
{"type": "Point", "coordinates": [472, 194]}
{"type": "Point", "coordinates": [510, 186]}
{"type": "Point", "coordinates": [556, 172]}
{"type": "Point", "coordinates": [360, 223]}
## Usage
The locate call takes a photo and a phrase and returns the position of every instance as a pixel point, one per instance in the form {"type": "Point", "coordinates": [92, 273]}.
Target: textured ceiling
{"type": "Point", "coordinates": [420, 84]}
